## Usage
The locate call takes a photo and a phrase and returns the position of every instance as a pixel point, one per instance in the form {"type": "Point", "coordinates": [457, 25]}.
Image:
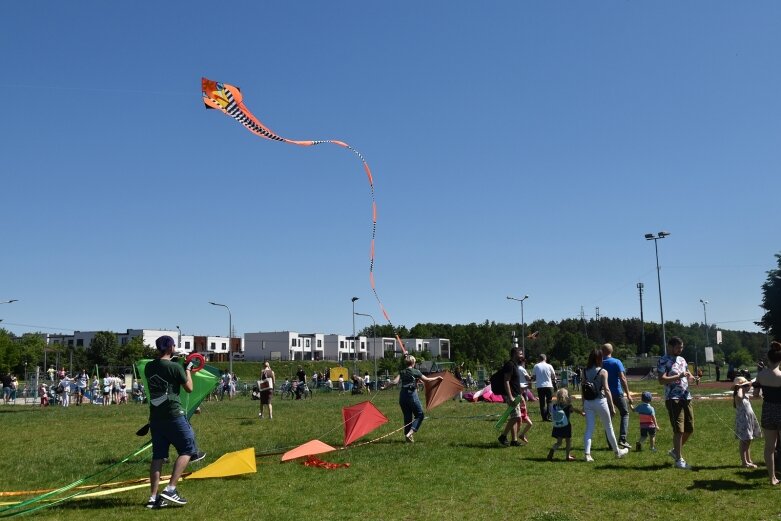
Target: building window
{"type": "Point", "coordinates": [223, 346]}
{"type": "Point", "coordinates": [70, 342]}
{"type": "Point", "coordinates": [212, 346]}
{"type": "Point", "coordinates": [341, 344]}
{"type": "Point", "coordinates": [80, 342]}
{"type": "Point", "coordinates": [306, 343]}
{"type": "Point", "coordinates": [292, 342]}
{"type": "Point", "coordinates": [187, 345]}
{"type": "Point", "coordinates": [363, 346]}
{"type": "Point", "coordinates": [319, 343]}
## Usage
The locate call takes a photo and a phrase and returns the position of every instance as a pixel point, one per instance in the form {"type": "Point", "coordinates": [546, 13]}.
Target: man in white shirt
{"type": "Point", "coordinates": [545, 377]}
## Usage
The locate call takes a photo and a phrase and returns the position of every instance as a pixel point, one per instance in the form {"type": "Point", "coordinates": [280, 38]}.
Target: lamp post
{"type": "Point", "coordinates": [230, 329]}
{"type": "Point", "coordinates": [640, 287]}
{"type": "Point", "coordinates": [355, 353]}
{"type": "Point", "coordinates": [523, 324]}
{"type": "Point", "coordinates": [705, 313]}
{"type": "Point", "coordinates": [374, 342]}
{"type": "Point", "coordinates": [655, 238]}
{"type": "Point", "coordinates": [179, 340]}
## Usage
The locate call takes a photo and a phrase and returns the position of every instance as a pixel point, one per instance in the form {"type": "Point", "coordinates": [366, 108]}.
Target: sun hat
{"type": "Point", "coordinates": [740, 381]}
{"type": "Point", "coordinates": [646, 397]}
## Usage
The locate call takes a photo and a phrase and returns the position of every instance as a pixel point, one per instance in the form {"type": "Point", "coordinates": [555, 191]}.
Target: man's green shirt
{"type": "Point", "coordinates": [164, 378]}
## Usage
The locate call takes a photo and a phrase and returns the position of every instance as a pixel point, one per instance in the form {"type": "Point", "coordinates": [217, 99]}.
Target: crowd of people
{"type": "Point", "coordinates": [63, 388]}
{"type": "Point", "coordinates": [608, 395]}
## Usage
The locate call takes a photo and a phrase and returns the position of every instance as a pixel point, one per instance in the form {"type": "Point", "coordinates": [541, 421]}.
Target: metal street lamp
{"type": "Point", "coordinates": [179, 341]}
{"type": "Point", "coordinates": [705, 312]}
{"type": "Point", "coordinates": [523, 324]}
{"type": "Point", "coordinates": [230, 330]}
{"type": "Point", "coordinates": [640, 287]}
{"type": "Point", "coordinates": [355, 353]}
{"type": "Point", "coordinates": [655, 238]}
{"type": "Point", "coordinates": [374, 342]}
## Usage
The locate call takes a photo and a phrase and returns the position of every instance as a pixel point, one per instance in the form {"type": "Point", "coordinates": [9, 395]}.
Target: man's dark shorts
{"type": "Point", "coordinates": [681, 415]}
{"type": "Point", "coordinates": [176, 432]}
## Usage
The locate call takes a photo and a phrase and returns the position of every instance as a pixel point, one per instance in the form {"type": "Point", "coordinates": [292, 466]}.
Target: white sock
{"type": "Point", "coordinates": [169, 488]}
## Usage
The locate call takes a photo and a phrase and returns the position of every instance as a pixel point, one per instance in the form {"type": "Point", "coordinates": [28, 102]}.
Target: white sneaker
{"type": "Point", "coordinates": [589, 458]}
{"type": "Point", "coordinates": [621, 453]}
{"type": "Point", "coordinates": [681, 464]}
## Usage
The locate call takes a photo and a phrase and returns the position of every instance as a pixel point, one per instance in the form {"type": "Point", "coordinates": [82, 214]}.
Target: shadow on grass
{"type": "Point", "coordinates": [16, 409]}
{"type": "Point", "coordinates": [618, 466]}
{"type": "Point", "coordinates": [99, 504]}
{"type": "Point", "coordinates": [486, 445]}
{"type": "Point", "coordinates": [718, 485]}
{"type": "Point", "coordinates": [753, 474]}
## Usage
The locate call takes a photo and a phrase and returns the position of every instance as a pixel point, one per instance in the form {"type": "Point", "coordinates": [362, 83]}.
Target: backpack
{"type": "Point", "coordinates": [497, 383]}
{"type": "Point", "coordinates": [589, 388]}
{"type": "Point", "coordinates": [559, 416]}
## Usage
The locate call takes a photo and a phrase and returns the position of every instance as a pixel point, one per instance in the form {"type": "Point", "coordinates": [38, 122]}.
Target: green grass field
{"type": "Point", "coordinates": [455, 470]}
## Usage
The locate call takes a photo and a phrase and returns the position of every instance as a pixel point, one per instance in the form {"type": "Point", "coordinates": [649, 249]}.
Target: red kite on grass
{"type": "Point", "coordinates": [360, 420]}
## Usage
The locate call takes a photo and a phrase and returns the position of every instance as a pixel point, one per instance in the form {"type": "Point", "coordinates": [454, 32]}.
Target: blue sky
{"type": "Point", "coordinates": [517, 148]}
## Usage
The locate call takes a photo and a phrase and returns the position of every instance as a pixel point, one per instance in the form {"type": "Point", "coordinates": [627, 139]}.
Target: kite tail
{"type": "Point", "coordinates": [229, 99]}
{"type": "Point", "coordinates": [370, 178]}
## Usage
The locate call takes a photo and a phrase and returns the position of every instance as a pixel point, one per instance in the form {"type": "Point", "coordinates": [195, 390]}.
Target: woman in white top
{"type": "Point", "coordinates": [601, 406]}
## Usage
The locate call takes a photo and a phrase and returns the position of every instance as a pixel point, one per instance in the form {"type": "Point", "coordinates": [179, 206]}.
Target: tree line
{"type": "Point", "coordinates": [569, 341]}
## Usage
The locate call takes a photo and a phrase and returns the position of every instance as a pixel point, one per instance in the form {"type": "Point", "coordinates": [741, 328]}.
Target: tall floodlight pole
{"type": "Point", "coordinates": [230, 330]}
{"type": "Point", "coordinates": [374, 343]}
{"type": "Point", "coordinates": [523, 324]}
{"type": "Point", "coordinates": [179, 341]}
{"type": "Point", "coordinates": [705, 313]}
{"type": "Point", "coordinates": [355, 348]}
{"type": "Point", "coordinates": [655, 238]}
{"type": "Point", "coordinates": [640, 287]}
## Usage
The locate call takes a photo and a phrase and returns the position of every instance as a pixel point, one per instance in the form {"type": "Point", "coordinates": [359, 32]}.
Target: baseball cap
{"type": "Point", "coordinates": [165, 342]}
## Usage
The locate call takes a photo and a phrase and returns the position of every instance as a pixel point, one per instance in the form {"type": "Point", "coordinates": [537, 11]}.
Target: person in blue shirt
{"type": "Point", "coordinates": [648, 423]}
{"type": "Point", "coordinates": [619, 390]}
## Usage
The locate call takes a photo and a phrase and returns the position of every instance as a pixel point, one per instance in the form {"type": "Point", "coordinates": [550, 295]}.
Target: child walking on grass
{"type": "Point", "coordinates": [746, 424]}
{"type": "Point", "coordinates": [648, 423]}
{"type": "Point", "coordinates": [561, 409]}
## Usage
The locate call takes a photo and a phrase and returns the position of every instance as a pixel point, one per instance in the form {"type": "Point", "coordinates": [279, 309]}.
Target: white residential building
{"type": "Point", "coordinates": [343, 347]}
{"type": "Point", "coordinates": [436, 346]}
{"type": "Point", "coordinates": [214, 347]}
{"type": "Point", "coordinates": [284, 345]}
